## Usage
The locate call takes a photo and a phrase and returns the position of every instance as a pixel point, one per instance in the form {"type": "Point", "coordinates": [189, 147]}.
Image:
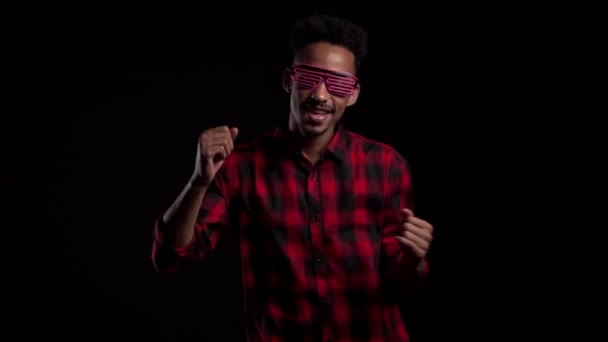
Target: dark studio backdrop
{"type": "Point", "coordinates": [127, 90]}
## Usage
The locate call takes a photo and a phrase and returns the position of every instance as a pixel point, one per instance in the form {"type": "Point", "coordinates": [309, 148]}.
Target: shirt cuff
{"type": "Point", "coordinates": [160, 240]}
{"type": "Point", "coordinates": [424, 274]}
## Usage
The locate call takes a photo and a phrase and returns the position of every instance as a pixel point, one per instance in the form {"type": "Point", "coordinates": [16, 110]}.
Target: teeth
{"type": "Point", "coordinates": [318, 110]}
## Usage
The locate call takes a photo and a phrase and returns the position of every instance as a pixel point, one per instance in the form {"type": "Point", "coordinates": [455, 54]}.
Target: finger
{"type": "Point", "coordinates": [221, 129]}
{"type": "Point", "coordinates": [419, 252]}
{"type": "Point", "coordinates": [222, 140]}
{"type": "Point", "coordinates": [422, 232]}
{"type": "Point", "coordinates": [420, 223]}
{"type": "Point", "coordinates": [210, 136]}
{"type": "Point", "coordinates": [216, 132]}
{"type": "Point", "coordinates": [410, 217]}
{"type": "Point", "coordinates": [234, 132]}
{"type": "Point", "coordinates": [407, 212]}
{"type": "Point", "coordinates": [215, 152]}
{"type": "Point", "coordinates": [418, 240]}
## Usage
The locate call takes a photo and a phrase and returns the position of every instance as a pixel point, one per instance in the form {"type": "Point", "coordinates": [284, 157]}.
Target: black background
{"type": "Point", "coordinates": [126, 90]}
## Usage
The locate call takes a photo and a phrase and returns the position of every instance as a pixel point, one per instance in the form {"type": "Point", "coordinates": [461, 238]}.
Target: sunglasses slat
{"type": "Point", "coordinates": [336, 84]}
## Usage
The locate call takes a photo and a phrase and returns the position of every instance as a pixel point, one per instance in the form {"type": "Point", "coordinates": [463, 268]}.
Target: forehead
{"type": "Point", "coordinates": [327, 56]}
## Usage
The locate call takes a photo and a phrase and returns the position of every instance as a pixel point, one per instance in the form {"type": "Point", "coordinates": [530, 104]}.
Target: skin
{"type": "Point", "coordinates": [315, 137]}
{"type": "Point", "coordinates": [215, 144]}
{"type": "Point", "coordinates": [416, 234]}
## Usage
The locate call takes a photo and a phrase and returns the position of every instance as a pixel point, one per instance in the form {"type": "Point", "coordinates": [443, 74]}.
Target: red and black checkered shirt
{"type": "Point", "coordinates": [319, 258]}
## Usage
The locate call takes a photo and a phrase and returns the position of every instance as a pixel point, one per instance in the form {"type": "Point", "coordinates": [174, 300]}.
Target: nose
{"type": "Point", "coordinates": [320, 92]}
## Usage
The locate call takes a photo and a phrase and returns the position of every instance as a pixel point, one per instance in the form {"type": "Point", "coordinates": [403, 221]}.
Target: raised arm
{"type": "Point", "coordinates": [192, 225]}
{"type": "Point", "coordinates": [405, 238]}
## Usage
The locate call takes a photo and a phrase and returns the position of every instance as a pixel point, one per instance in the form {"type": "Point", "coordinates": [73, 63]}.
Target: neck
{"type": "Point", "coordinates": [311, 146]}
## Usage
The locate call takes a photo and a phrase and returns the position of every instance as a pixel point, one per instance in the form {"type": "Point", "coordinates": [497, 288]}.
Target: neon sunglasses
{"type": "Point", "coordinates": [308, 77]}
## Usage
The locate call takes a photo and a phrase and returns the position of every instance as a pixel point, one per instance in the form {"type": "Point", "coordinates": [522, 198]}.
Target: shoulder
{"type": "Point", "coordinates": [237, 170]}
{"type": "Point", "coordinates": [379, 151]}
{"type": "Point", "coordinates": [245, 154]}
{"type": "Point", "coordinates": [242, 154]}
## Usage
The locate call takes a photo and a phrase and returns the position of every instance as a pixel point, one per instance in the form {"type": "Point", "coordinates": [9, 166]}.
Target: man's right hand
{"type": "Point", "coordinates": [214, 146]}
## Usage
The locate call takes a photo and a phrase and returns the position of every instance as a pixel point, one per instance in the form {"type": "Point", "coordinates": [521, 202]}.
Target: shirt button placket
{"type": "Point", "coordinates": [317, 245]}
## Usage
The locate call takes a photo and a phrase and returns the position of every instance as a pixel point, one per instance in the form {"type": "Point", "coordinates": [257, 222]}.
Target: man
{"type": "Point", "coordinates": [328, 240]}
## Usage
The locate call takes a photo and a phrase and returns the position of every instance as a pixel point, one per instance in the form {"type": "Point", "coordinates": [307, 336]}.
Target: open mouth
{"type": "Point", "coordinates": [317, 114]}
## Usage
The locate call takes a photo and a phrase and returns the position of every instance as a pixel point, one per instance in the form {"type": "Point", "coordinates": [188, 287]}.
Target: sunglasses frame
{"type": "Point", "coordinates": [325, 75]}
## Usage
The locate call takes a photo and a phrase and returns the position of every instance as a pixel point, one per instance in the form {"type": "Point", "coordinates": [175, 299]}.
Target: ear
{"type": "Point", "coordinates": [287, 80]}
{"type": "Point", "coordinates": [352, 98]}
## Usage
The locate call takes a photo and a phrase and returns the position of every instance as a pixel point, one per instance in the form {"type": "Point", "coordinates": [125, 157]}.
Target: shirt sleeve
{"type": "Point", "coordinates": [211, 223]}
{"type": "Point", "coordinates": [399, 266]}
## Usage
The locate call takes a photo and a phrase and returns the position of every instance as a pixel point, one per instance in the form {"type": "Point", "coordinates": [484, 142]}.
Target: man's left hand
{"type": "Point", "coordinates": [415, 233]}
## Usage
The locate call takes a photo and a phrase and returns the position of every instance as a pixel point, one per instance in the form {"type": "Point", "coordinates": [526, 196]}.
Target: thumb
{"type": "Point", "coordinates": [234, 132]}
{"type": "Point", "coordinates": [406, 213]}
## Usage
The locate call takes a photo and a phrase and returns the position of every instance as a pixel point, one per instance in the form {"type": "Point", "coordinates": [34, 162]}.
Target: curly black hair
{"type": "Point", "coordinates": [330, 29]}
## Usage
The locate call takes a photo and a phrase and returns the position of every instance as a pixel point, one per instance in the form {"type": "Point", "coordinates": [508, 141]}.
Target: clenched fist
{"type": "Point", "coordinates": [415, 233]}
{"type": "Point", "coordinates": [214, 146]}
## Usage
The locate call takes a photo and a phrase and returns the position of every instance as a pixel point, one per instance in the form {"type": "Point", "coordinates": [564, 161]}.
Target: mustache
{"type": "Point", "coordinates": [316, 104]}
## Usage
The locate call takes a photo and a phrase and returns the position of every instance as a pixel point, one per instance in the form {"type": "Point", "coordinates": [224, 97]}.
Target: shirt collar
{"type": "Point", "coordinates": [337, 147]}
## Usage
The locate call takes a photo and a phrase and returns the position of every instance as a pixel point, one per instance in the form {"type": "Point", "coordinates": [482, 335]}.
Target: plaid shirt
{"type": "Point", "coordinates": [319, 257]}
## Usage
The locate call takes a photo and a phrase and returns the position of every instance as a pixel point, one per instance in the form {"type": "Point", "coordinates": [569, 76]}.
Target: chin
{"type": "Point", "coordinates": [309, 129]}
{"type": "Point", "coordinates": [313, 131]}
